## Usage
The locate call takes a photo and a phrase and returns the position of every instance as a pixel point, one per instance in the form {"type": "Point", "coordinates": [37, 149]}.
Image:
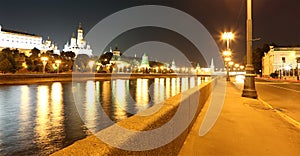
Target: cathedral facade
{"type": "Point", "coordinates": [78, 45]}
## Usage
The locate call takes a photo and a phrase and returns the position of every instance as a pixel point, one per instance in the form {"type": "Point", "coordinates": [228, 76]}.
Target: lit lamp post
{"type": "Point", "coordinates": [228, 36]}
{"type": "Point", "coordinates": [57, 62]}
{"type": "Point", "coordinates": [249, 84]}
{"type": "Point", "coordinates": [236, 68]}
{"type": "Point", "coordinates": [227, 59]}
{"type": "Point", "coordinates": [91, 64]}
{"type": "Point", "coordinates": [44, 59]}
{"type": "Point", "coordinates": [242, 67]}
{"type": "Point", "coordinates": [227, 54]}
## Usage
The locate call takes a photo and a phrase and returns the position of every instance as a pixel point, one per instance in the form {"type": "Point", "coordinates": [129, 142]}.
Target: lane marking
{"type": "Point", "coordinates": [285, 88]}
{"type": "Point", "coordinates": [284, 116]}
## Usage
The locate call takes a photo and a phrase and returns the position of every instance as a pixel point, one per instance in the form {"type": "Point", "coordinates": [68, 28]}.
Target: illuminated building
{"type": "Point", "coordinates": [78, 45]}
{"type": "Point", "coordinates": [280, 60]}
{"type": "Point", "coordinates": [24, 42]}
{"type": "Point", "coordinates": [145, 61]}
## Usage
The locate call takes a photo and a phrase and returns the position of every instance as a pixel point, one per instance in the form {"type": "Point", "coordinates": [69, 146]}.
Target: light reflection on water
{"type": "Point", "coordinates": [42, 118]}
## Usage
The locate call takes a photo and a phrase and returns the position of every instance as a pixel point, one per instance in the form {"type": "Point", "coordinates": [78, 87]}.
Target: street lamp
{"type": "Point", "coordinates": [249, 84]}
{"type": "Point", "coordinates": [57, 62]}
{"type": "Point", "coordinates": [91, 64]}
{"type": "Point", "coordinates": [242, 67]}
{"type": "Point", "coordinates": [227, 53]}
{"type": "Point", "coordinates": [44, 59]}
{"type": "Point", "coordinates": [228, 36]}
{"type": "Point", "coordinates": [227, 59]}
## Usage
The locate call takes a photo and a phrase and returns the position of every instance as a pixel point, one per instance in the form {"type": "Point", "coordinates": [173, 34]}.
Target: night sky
{"type": "Point", "coordinates": [274, 21]}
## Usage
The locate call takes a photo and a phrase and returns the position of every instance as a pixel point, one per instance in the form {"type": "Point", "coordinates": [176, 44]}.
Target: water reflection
{"type": "Point", "coordinates": [25, 109]}
{"type": "Point", "coordinates": [90, 106]}
{"type": "Point", "coordinates": [43, 118]}
{"type": "Point", "coordinates": [49, 117]}
{"type": "Point", "coordinates": [142, 94]}
{"type": "Point", "coordinates": [119, 100]}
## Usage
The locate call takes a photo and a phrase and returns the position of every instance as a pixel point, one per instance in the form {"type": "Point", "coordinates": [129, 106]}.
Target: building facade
{"type": "Point", "coordinates": [280, 60]}
{"type": "Point", "coordinates": [78, 45]}
{"type": "Point", "coordinates": [24, 42]}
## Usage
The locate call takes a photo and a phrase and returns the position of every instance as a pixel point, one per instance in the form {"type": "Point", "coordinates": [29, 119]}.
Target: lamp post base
{"type": "Point", "coordinates": [249, 87]}
{"type": "Point", "coordinates": [249, 93]}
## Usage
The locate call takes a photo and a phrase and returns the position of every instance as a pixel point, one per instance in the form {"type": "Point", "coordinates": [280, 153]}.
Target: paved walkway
{"type": "Point", "coordinates": [244, 127]}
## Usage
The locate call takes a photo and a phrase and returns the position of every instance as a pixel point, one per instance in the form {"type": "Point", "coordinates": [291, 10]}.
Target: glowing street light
{"type": "Point", "coordinates": [227, 53]}
{"type": "Point", "coordinates": [44, 59]}
{"type": "Point", "coordinates": [228, 36]}
{"type": "Point", "coordinates": [91, 64]}
{"type": "Point", "coordinates": [242, 67]}
{"type": "Point", "coordinates": [227, 58]}
{"type": "Point", "coordinates": [57, 62]}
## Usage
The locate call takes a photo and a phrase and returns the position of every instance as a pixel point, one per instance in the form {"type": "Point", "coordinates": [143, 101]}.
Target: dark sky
{"type": "Point", "coordinates": [274, 21]}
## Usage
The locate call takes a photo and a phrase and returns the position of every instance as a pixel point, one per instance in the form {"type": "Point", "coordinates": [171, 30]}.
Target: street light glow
{"type": "Point", "coordinates": [228, 36]}
{"type": "Point", "coordinates": [227, 59]}
{"type": "Point", "coordinates": [227, 53]}
{"type": "Point", "coordinates": [57, 62]}
{"type": "Point", "coordinates": [44, 59]}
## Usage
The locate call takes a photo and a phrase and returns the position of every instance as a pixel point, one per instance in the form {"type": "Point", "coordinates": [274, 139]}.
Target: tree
{"type": "Point", "coordinates": [105, 58]}
{"type": "Point", "coordinates": [35, 53]}
{"type": "Point", "coordinates": [258, 54]}
{"type": "Point", "coordinates": [69, 55]}
{"type": "Point", "coordinates": [6, 66]}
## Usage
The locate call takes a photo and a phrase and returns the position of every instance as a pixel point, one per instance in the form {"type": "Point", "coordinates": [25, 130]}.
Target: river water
{"type": "Point", "coordinates": [39, 119]}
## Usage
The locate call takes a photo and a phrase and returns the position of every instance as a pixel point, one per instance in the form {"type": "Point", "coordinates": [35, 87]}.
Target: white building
{"type": "Point", "coordinates": [24, 42]}
{"type": "Point", "coordinates": [49, 45]}
{"type": "Point", "coordinates": [78, 45]}
{"type": "Point", "coordinates": [280, 60]}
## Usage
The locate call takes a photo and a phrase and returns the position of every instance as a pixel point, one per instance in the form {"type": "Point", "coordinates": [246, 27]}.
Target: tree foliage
{"type": "Point", "coordinates": [105, 58]}
{"type": "Point", "coordinates": [258, 54]}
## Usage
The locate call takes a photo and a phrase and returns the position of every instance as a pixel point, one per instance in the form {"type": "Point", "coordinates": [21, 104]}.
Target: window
{"type": "Point", "coordinates": [283, 59]}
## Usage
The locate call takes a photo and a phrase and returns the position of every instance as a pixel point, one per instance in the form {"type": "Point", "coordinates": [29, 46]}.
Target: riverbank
{"type": "Point", "coordinates": [9, 79]}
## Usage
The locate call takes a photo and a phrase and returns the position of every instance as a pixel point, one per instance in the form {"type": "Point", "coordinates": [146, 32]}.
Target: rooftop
{"type": "Point", "coordinates": [18, 32]}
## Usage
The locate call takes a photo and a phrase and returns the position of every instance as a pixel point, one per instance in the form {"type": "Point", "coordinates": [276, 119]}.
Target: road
{"type": "Point", "coordinates": [283, 96]}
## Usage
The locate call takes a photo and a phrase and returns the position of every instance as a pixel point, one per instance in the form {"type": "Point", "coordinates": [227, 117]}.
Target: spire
{"type": "Point", "coordinates": [212, 62]}
{"type": "Point", "coordinates": [73, 35]}
{"type": "Point", "coordinates": [212, 66]}
{"type": "Point", "coordinates": [48, 38]}
{"type": "Point", "coordinates": [80, 26]}
{"type": "Point", "coordinates": [110, 50]}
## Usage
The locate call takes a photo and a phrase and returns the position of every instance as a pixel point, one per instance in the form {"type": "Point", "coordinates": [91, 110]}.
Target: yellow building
{"type": "Point", "coordinates": [280, 60]}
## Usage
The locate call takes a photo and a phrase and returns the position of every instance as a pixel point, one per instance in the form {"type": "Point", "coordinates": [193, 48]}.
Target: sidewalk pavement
{"type": "Point", "coordinates": [244, 127]}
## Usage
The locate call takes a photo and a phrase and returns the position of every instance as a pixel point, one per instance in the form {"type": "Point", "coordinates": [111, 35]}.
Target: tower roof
{"type": "Point", "coordinates": [80, 26]}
